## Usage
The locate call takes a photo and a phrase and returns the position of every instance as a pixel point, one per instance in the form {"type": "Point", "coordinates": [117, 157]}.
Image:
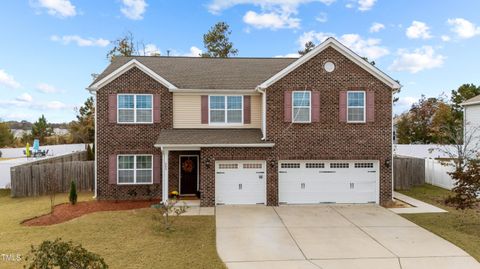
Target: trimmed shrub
{"type": "Point", "coordinates": [72, 196]}
{"type": "Point", "coordinates": [63, 255]}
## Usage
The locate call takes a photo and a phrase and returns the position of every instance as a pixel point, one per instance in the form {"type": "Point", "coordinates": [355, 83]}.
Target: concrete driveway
{"type": "Point", "coordinates": [330, 237]}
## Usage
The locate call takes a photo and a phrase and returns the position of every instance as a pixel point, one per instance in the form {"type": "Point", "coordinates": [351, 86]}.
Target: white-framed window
{"type": "Point", "coordinates": [135, 108]}
{"type": "Point", "coordinates": [356, 106]}
{"type": "Point", "coordinates": [225, 109]}
{"type": "Point", "coordinates": [134, 169]}
{"type": "Point", "coordinates": [301, 106]}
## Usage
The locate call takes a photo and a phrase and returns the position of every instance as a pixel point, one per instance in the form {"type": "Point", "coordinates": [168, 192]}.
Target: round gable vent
{"type": "Point", "coordinates": [329, 67]}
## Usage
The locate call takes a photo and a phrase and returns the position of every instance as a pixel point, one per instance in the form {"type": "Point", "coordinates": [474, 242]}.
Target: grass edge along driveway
{"type": "Point", "coordinates": [125, 239]}
{"type": "Point", "coordinates": [462, 228]}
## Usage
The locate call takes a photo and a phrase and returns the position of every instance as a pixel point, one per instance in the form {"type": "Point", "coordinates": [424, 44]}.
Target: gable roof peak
{"type": "Point", "coordinates": [347, 52]}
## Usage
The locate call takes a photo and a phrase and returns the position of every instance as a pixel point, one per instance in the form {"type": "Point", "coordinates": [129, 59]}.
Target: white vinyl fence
{"type": "Point", "coordinates": [53, 150]}
{"type": "Point", "coordinates": [436, 173]}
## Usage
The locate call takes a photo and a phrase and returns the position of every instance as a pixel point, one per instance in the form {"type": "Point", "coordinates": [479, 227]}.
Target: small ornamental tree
{"type": "Point", "coordinates": [62, 255]}
{"type": "Point", "coordinates": [72, 197]}
{"type": "Point", "coordinates": [165, 212]}
{"type": "Point", "coordinates": [467, 185]}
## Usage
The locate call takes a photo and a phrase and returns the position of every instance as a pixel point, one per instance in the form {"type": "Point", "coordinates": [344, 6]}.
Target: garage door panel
{"type": "Point", "coordinates": [328, 181]}
{"type": "Point", "coordinates": [240, 182]}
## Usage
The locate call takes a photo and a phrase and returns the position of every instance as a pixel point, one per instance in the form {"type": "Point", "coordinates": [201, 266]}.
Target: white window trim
{"type": "Point", "coordinates": [134, 170]}
{"type": "Point", "coordinates": [309, 107]}
{"type": "Point", "coordinates": [225, 123]}
{"type": "Point", "coordinates": [135, 109]}
{"type": "Point", "coordinates": [364, 106]}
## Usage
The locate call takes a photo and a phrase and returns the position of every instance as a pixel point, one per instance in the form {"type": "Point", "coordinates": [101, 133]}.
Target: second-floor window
{"type": "Point", "coordinates": [135, 108]}
{"type": "Point", "coordinates": [301, 109]}
{"type": "Point", "coordinates": [356, 106]}
{"type": "Point", "coordinates": [226, 109]}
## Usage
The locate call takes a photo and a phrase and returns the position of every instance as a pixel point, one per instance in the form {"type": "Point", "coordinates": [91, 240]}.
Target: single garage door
{"type": "Point", "coordinates": [240, 182]}
{"type": "Point", "coordinates": [309, 182]}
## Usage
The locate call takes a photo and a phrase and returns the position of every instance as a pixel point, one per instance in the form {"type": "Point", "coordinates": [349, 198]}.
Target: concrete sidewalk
{"type": "Point", "coordinates": [330, 237]}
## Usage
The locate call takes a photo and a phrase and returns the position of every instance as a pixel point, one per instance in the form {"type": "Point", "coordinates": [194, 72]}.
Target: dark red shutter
{"type": "Point", "coordinates": [112, 108]}
{"type": "Point", "coordinates": [156, 108]}
{"type": "Point", "coordinates": [204, 108]}
{"type": "Point", "coordinates": [370, 106]}
{"type": "Point", "coordinates": [343, 106]}
{"type": "Point", "coordinates": [287, 106]}
{"type": "Point", "coordinates": [112, 169]}
{"type": "Point", "coordinates": [246, 109]}
{"type": "Point", "coordinates": [315, 106]}
{"type": "Point", "coordinates": [157, 170]}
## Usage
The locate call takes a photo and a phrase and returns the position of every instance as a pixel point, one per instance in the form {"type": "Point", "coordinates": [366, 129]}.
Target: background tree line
{"type": "Point", "coordinates": [81, 130]}
{"type": "Point", "coordinates": [435, 120]}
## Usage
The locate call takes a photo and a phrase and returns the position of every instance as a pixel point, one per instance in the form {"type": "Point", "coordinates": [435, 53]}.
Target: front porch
{"type": "Point", "coordinates": [192, 175]}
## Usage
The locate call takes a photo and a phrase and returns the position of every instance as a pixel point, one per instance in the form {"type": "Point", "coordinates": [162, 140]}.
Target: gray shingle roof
{"type": "Point", "coordinates": [210, 136]}
{"type": "Point", "coordinates": [472, 101]}
{"type": "Point", "coordinates": [207, 73]}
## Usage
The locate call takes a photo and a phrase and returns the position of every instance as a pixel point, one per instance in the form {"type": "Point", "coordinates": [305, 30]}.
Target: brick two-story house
{"type": "Point", "coordinates": [245, 130]}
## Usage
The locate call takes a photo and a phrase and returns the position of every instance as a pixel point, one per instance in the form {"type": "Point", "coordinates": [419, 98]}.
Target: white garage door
{"type": "Point", "coordinates": [306, 182]}
{"type": "Point", "coordinates": [240, 182]}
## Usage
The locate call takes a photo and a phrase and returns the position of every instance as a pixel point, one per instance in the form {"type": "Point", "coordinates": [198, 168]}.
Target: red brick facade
{"type": "Point", "coordinates": [327, 139]}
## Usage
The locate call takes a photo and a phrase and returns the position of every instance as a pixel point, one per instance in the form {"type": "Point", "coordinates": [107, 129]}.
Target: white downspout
{"type": "Point", "coordinates": [264, 111]}
{"type": "Point", "coordinates": [96, 148]}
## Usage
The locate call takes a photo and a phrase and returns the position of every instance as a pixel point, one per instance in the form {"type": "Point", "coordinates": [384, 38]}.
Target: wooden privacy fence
{"type": "Point", "coordinates": [408, 172]}
{"type": "Point", "coordinates": [41, 177]}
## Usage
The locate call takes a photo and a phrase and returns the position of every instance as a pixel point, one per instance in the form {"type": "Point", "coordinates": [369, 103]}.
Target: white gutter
{"type": "Point", "coordinates": [259, 145]}
{"type": "Point", "coordinates": [264, 111]}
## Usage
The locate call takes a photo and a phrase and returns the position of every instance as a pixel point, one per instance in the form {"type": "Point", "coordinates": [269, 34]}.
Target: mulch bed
{"type": "Point", "coordinates": [66, 212]}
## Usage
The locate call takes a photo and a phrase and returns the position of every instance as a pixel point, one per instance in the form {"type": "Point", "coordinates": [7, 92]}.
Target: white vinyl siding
{"type": "Point", "coordinates": [135, 108]}
{"type": "Point", "coordinates": [187, 112]}
{"type": "Point", "coordinates": [301, 106]}
{"type": "Point", "coordinates": [356, 106]}
{"type": "Point", "coordinates": [134, 169]}
{"type": "Point", "coordinates": [225, 109]}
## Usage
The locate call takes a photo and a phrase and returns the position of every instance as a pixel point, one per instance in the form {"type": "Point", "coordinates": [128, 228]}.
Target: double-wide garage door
{"type": "Point", "coordinates": [299, 182]}
{"type": "Point", "coordinates": [240, 182]}
{"type": "Point", "coordinates": [306, 182]}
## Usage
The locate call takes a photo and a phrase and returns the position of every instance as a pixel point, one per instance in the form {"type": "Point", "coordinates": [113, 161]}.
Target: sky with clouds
{"type": "Point", "coordinates": [50, 48]}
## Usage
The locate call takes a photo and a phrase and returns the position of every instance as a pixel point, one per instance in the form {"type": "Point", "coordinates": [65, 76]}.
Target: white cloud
{"type": "Point", "coordinates": [271, 20]}
{"type": "Point", "coordinates": [25, 97]}
{"type": "Point", "coordinates": [365, 5]}
{"type": "Point", "coordinates": [417, 60]}
{"type": "Point", "coordinates": [80, 41]}
{"type": "Point", "coordinates": [406, 101]}
{"type": "Point", "coordinates": [60, 8]}
{"type": "Point", "coordinates": [376, 27]}
{"type": "Point", "coordinates": [288, 55]}
{"type": "Point", "coordinates": [134, 9]}
{"type": "Point", "coordinates": [445, 38]}
{"type": "Point", "coordinates": [47, 88]}
{"type": "Point", "coordinates": [56, 105]}
{"type": "Point", "coordinates": [463, 28]}
{"type": "Point", "coordinates": [8, 80]}
{"type": "Point", "coordinates": [194, 52]}
{"type": "Point", "coordinates": [275, 14]}
{"type": "Point", "coordinates": [151, 50]}
{"type": "Point", "coordinates": [322, 17]}
{"type": "Point", "coordinates": [370, 47]}
{"type": "Point", "coordinates": [417, 30]}
{"type": "Point", "coordinates": [217, 6]}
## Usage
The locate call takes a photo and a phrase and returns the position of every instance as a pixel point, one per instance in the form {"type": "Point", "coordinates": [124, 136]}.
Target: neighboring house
{"type": "Point", "coordinates": [394, 130]}
{"type": "Point", "coordinates": [245, 130]}
{"type": "Point", "coordinates": [471, 121]}
{"type": "Point", "coordinates": [19, 133]}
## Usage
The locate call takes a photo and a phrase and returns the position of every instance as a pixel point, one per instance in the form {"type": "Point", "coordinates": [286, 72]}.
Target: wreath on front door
{"type": "Point", "coordinates": [187, 166]}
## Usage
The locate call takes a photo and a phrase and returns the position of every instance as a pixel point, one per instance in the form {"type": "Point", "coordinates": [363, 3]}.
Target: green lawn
{"type": "Point", "coordinates": [125, 239]}
{"type": "Point", "coordinates": [459, 227]}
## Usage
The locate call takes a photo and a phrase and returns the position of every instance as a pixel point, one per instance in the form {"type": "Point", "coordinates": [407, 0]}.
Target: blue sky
{"type": "Point", "coordinates": [50, 48]}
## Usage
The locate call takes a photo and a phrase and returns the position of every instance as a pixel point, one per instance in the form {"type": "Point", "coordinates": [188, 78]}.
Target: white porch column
{"type": "Point", "coordinates": [164, 175]}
